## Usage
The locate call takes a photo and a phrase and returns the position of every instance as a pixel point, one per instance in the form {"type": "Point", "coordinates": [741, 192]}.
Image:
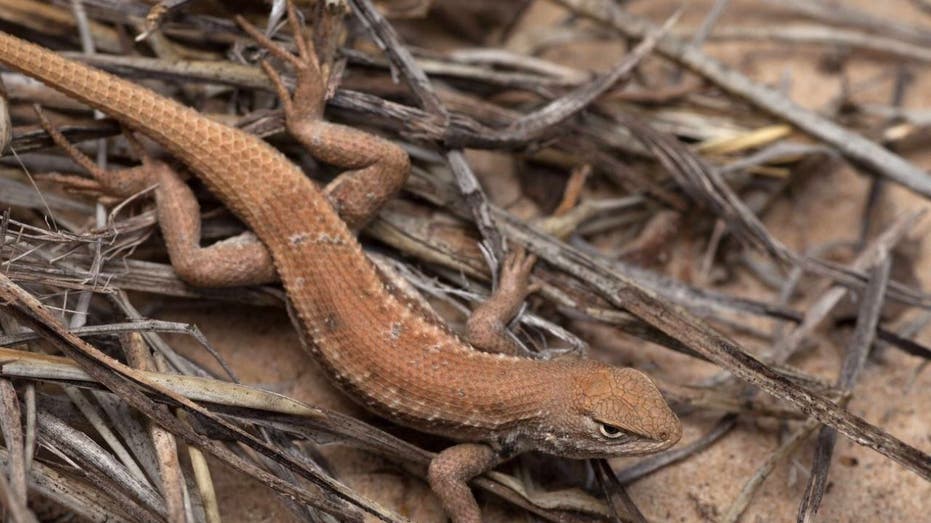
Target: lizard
{"type": "Point", "coordinates": [380, 347]}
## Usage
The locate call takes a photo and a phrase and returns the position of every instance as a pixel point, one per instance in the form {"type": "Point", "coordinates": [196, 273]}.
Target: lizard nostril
{"type": "Point", "coordinates": [663, 436]}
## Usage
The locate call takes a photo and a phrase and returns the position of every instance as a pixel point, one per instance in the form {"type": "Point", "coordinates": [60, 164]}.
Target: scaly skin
{"type": "Point", "coordinates": [379, 349]}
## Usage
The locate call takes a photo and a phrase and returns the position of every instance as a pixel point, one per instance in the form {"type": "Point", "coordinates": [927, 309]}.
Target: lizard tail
{"type": "Point", "coordinates": [184, 132]}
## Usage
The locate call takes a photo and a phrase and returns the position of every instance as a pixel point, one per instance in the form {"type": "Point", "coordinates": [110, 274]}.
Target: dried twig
{"type": "Point", "coordinates": [112, 374]}
{"type": "Point", "coordinates": [865, 333]}
{"type": "Point", "coordinates": [630, 295]}
{"type": "Point", "coordinates": [855, 147]}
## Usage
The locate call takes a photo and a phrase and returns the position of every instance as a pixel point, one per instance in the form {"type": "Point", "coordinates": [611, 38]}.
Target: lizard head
{"type": "Point", "coordinates": [608, 411]}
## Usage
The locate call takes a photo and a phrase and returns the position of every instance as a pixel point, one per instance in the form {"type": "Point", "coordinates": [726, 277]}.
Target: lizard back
{"type": "Point", "coordinates": [376, 347]}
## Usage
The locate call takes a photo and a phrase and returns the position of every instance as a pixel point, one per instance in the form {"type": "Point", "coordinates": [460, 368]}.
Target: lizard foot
{"type": "Point", "coordinates": [118, 182]}
{"type": "Point", "coordinates": [515, 273]}
{"type": "Point", "coordinates": [307, 101]}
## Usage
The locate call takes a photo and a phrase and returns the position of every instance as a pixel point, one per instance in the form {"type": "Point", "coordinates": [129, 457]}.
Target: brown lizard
{"type": "Point", "coordinates": [377, 345]}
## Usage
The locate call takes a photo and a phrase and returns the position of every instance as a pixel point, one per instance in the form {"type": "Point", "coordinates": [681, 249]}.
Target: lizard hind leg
{"type": "Point", "coordinates": [374, 168]}
{"type": "Point", "coordinates": [241, 260]}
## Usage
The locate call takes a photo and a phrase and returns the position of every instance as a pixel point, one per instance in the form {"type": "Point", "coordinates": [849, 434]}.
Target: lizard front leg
{"type": "Point", "coordinates": [449, 474]}
{"type": "Point", "coordinates": [375, 168]}
{"type": "Point", "coordinates": [486, 328]}
{"type": "Point", "coordinates": [240, 260]}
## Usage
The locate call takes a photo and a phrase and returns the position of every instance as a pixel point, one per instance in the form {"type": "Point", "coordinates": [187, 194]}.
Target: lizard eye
{"type": "Point", "coordinates": [610, 431]}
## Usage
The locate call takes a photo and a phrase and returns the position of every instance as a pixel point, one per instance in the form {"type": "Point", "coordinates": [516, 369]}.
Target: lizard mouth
{"type": "Point", "coordinates": [622, 441]}
{"type": "Point", "coordinates": [640, 446]}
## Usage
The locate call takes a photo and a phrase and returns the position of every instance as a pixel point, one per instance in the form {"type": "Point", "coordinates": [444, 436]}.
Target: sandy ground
{"type": "Point", "coordinates": [864, 486]}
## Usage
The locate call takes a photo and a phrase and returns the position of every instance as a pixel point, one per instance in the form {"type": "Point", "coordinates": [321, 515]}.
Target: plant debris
{"type": "Point", "coordinates": [673, 197]}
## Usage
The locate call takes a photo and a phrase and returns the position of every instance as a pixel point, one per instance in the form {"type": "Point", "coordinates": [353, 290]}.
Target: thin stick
{"type": "Point", "coordinates": [859, 150]}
